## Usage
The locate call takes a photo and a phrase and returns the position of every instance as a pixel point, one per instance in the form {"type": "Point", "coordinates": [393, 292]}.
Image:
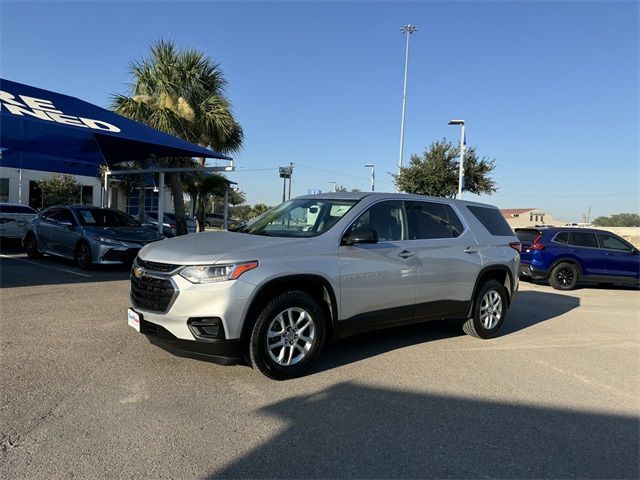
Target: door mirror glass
{"type": "Point", "coordinates": [360, 235]}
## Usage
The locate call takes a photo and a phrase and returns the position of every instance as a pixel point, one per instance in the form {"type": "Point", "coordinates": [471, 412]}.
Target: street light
{"type": "Point", "coordinates": [406, 30]}
{"type": "Point", "coordinates": [463, 143]}
{"type": "Point", "coordinates": [373, 175]}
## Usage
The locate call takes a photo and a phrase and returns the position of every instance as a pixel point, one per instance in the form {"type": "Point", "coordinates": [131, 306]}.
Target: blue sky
{"type": "Point", "coordinates": [549, 89]}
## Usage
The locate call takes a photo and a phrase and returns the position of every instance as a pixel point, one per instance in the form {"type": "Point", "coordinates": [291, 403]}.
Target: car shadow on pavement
{"type": "Point", "coordinates": [355, 431]}
{"type": "Point", "coordinates": [529, 308]}
{"type": "Point", "coordinates": [18, 270]}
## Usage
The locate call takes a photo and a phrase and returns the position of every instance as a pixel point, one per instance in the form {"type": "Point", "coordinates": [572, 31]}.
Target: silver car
{"type": "Point", "coordinates": [14, 218]}
{"type": "Point", "coordinates": [323, 267]}
{"type": "Point", "coordinates": [87, 235]}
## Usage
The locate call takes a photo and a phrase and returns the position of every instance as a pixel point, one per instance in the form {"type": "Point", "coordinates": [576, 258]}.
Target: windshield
{"type": "Point", "coordinates": [299, 218]}
{"type": "Point", "coordinates": [100, 217]}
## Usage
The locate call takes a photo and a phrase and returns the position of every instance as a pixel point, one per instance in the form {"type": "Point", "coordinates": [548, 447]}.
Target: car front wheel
{"type": "Point", "coordinates": [83, 256]}
{"type": "Point", "coordinates": [287, 336]}
{"type": "Point", "coordinates": [489, 311]}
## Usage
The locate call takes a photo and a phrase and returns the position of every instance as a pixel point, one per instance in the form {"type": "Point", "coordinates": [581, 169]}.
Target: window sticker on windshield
{"type": "Point", "coordinates": [87, 216]}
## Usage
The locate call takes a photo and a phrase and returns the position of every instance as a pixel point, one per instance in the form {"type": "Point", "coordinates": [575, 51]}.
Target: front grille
{"type": "Point", "coordinates": [150, 293]}
{"type": "Point", "coordinates": [157, 267]}
{"type": "Point", "coordinates": [124, 256]}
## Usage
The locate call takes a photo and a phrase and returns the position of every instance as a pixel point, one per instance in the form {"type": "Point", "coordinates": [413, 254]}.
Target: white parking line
{"type": "Point", "coordinates": [12, 257]}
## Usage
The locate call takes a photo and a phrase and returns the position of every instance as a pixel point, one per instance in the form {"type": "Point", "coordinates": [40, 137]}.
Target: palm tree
{"type": "Point", "coordinates": [181, 92]}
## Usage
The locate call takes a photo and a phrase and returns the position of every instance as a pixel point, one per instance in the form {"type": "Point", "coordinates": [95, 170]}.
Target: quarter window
{"type": "Point", "coordinates": [492, 220]}
{"type": "Point", "coordinates": [433, 220]}
{"type": "Point", "coordinates": [583, 239]}
{"type": "Point", "coordinates": [611, 242]}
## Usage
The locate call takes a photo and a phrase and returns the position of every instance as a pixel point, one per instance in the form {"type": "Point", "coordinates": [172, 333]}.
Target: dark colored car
{"type": "Point", "coordinates": [87, 235]}
{"type": "Point", "coordinates": [217, 220]}
{"type": "Point", "coordinates": [566, 256]}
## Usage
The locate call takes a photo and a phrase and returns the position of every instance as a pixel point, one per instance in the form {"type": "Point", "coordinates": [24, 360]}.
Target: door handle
{"type": "Point", "coordinates": [406, 254]}
{"type": "Point", "coordinates": [470, 250]}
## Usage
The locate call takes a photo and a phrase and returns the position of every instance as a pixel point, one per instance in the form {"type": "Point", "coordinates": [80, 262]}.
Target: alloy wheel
{"type": "Point", "coordinates": [490, 309]}
{"type": "Point", "coordinates": [290, 336]}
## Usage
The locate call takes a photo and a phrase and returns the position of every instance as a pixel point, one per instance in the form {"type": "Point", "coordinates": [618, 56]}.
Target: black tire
{"type": "Point", "coordinates": [83, 256]}
{"type": "Point", "coordinates": [259, 353]}
{"type": "Point", "coordinates": [476, 326]}
{"type": "Point", "coordinates": [31, 246]}
{"type": "Point", "coordinates": [564, 276]}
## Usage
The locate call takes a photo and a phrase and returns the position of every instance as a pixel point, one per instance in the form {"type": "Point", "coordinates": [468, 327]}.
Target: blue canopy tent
{"type": "Point", "coordinates": [56, 127]}
{"type": "Point", "coordinates": [44, 130]}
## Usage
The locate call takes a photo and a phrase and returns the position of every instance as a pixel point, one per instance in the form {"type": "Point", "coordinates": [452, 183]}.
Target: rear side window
{"type": "Point", "coordinates": [583, 239]}
{"type": "Point", "coordinates": [492, 220]}
{"type": "Point", "coordinates": [17, 209]}
{"type": "Point", "coordinates": [433, 220]}
{"type": "Point", "coordinates": [562, 238]}
{"type": "Point", "coordinates": [527, 236]}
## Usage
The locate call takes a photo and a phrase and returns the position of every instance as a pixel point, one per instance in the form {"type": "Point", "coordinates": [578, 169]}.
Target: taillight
{"type": "Point", "coordinates": [535, 245]}
{"type": "Point", "coordinates": [516, 246]}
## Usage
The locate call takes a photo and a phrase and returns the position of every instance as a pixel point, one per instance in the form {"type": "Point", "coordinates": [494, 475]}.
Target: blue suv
{"type": "Point", "coordinates": [566, 256]}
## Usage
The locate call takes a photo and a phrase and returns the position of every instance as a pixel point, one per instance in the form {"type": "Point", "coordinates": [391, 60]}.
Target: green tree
{"type": "Point", "coordinates": [59, 189]}
{"type": "Point", "coordinates": [258, 209]}
{"type": "Point", "coordinates": [181, 92]}
{"type": "Point", "coordinates": [619, 220]}
{"type": "Point", "coordinates": [342, 188]}
{"type": "Point", "coordinates": [201, 188]}
{"type": "Point", "coordinates": [435, 173]}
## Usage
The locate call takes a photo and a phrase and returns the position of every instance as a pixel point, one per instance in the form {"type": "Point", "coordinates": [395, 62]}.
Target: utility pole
{"type": "Point", "coordinates": [407, 30]}
{"type": "Point", "coordinates": [290, 175]}
{"type": "Point", "coordinates": [463, 143]}
{"type": "Point", "coordinates": [285, 172]}
{"type": "Point", "coordinates": [373, 175]}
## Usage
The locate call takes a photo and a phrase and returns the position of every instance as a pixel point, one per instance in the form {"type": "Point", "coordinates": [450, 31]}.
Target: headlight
{"type": "Point", "coordinates": [110, 241]}
{"type": "Point", "coordinates": [216, 273]}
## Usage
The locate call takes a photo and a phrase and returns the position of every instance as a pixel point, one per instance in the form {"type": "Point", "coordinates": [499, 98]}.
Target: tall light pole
{"type": "Point", "coordinates": [373, 175]}
{"type": "Point", "coordinates": [462, 146]}
{"type": "Point", "coordinates": [407, 30]}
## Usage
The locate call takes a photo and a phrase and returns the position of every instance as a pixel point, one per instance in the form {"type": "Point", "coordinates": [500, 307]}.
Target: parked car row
{"type": "Point", "coordinates": [168, 223]}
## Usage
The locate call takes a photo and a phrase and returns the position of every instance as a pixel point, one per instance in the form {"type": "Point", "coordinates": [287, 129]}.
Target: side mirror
{"type": "Point", "coordinates": [361, 235]}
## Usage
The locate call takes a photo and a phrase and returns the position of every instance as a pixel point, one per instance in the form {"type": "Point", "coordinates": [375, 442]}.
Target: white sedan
{"type": "Point", "coordinates": [13, 218]}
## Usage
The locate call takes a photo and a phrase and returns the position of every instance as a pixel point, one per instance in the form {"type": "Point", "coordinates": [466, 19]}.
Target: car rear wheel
{"type": "Point", "coordinates": [287, 336]}
{"type": "Point", "coordinates": [564, 276]}
{"type": "Point", "coordinates": [31, 246]}
{"type": "Point", "coordinates": [83, 256]}
{"type": "Point", "coordinates": [489, 311]}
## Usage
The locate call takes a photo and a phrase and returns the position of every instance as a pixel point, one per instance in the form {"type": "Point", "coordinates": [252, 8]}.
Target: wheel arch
{"type": "Point", "coordinates": [315, 285]}
{"type": "Point", "coordinates": [500, 273]}
{"type": "Point", "coordinates": [572, 260]}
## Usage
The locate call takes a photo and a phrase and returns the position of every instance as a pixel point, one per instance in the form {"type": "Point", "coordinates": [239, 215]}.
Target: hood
{"type": "Point", "coordinates": [209, 247]}
{"type": "Point", "coordinates": [126, 234]}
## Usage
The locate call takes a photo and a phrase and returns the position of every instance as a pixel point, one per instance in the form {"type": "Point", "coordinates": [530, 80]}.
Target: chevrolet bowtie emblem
{"type": "Point", "coordinates": [138, 272]}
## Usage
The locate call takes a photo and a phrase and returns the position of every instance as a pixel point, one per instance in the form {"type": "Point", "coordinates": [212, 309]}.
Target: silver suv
{"type": "Point", "coordinates": [320, 267]}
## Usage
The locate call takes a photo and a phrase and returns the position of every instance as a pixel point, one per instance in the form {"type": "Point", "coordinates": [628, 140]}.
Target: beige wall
{"type": "Point", "coordinates": [524, 220]}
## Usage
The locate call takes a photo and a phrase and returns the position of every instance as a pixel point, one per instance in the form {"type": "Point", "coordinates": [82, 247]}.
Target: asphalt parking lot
{"type": "Point", "coordinates": [557, 395]}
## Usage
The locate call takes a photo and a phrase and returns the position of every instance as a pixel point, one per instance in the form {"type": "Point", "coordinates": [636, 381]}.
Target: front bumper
{"type": "Point", "coordinates": [224, 352]}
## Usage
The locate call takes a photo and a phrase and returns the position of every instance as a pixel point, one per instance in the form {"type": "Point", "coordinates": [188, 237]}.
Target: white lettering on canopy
{"type": "Point", "coordinates": [45, 110]}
